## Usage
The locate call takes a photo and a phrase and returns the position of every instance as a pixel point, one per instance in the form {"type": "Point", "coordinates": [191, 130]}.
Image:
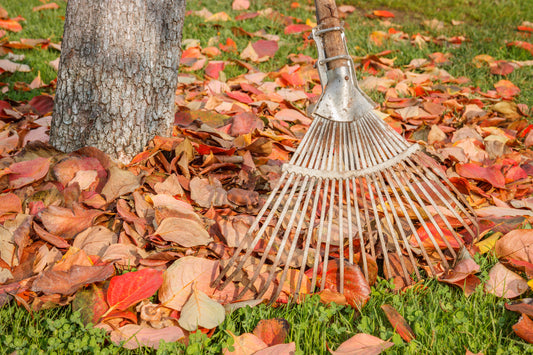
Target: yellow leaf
{"type": "Point", "coordinates": [200, 310]}
{"type": "Point", "coordinates": [488, 244]}
{"type": "Point", "coordinates": [530, 284]}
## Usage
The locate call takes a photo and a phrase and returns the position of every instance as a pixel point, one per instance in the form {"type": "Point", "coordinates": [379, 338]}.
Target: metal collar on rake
{"type": "Point", "coordinates": [342, 100]}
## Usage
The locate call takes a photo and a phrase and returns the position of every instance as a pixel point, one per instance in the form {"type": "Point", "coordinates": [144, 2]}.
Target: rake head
{"type": "Point", "coordinates": [355, 191]}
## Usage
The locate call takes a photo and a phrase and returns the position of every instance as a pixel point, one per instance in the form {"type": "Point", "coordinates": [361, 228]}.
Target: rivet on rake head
{"type": "Point", "coordinates": [346, 77]}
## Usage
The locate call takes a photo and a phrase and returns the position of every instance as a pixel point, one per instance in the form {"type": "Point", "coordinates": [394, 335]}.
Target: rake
{"type": "Point", "coordinates": [353, 188]}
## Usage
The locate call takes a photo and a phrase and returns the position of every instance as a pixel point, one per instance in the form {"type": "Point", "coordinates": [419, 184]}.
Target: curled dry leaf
{"type": "Point", "coordinates": [179, 277]}
{"type": "Point", "coordinates": [245, 344]}
{"type": "Point", "coordinates": [201, 311]}
{"type": "Point", "coordinates": [133, 336]}
{"type": "Point", "coordinates": [272, 331]}
{"type": "Point", "coordinates": [27, 172]}
{"type": "Point", "coordinates": [182, 231]}
{"type": "Point", "coordinates": [398, 323]}
{"type": "Point", "coordinates": [524, 306]}
{"type": "Point", "coordinates": [362, 344]}
{"type": "Point", "coordinates": [503, 282]}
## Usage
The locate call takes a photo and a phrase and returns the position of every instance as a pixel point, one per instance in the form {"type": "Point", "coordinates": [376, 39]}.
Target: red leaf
{"type": "Point", "coordinates": [294, 79]}
{"type": "Point", "coordinates": [492, 174]}
{"type": "Point", "coordinates": [26, 172]}
{"type": "Point", "coordinates": [356, 288]}
{"type": "Point", "coordinates": [272, 331]}
{"type": "Point", "coordinates": [42, 104]}
{"type": "Point", "coordinates": [204, 149]}
{"type": "Point", "coordinates": [524, 306]}
{"type": "Point", "coordinates": [132, 287]}
{"type": "Point", "coordinates": [214, 68]}
{"type": "Point", "coordinates": [524, 328]}
{"type": "Point", "coordinates": [265, 48]}
{"type": "Point", "coordinates": [383, 13]}
{"type": "Point", "coordinates": [521, 44]}
{"type": "Point", "coordinates": [398, 322]}
{"type": "Point", "coordinates": [91, 304]}
{"type": "Point", "coordinates": [240, 96]}
{"type": "Point", "coordinates": [525, 28]}
{"type": "Point", "coordinates": [426, 240]}
{"type": "Point", "coordinates": [297, 28]}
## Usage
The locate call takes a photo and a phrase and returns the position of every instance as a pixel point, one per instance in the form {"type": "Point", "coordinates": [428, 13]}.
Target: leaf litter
{"type": "Point", "coordinates": [78, 228]}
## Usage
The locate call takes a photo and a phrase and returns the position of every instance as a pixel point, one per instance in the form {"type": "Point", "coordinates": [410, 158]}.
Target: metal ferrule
{"type": "Point", "coordinates": [342, 100]}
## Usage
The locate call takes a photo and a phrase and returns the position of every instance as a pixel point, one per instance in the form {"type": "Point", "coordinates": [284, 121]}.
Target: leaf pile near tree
{"type": "Point", "coordinates": [135, 247]}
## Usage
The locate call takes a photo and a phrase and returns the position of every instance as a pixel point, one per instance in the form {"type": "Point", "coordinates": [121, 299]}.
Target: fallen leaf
{"type": "Point", "coordinates": [207, 193]}
{"type": "Point", "coordinates": [272, 331]}
{"type": "Point", "coordinates": [49, 6]}
{"type": "Point", "coordinates": [492, 174]}
{"type": "Point", "coordinates": [245, 344]}
{"type": "Point", "coordinates": [439, 239]}
{"type": "Point", "coordinates": [524, 328]}
{"type": "Point", "coordinates": [517, 244]}
{"type": "Point", "coordinates": [524, 306]}
{"type": "Point", "coordinates": [11, 67]}
{"type": "Point", "coordinates": [120, 182]}
{"type": "Point", "coordinates": [95, 240]}
{"type": "Point", "coordinates": [356, 288]}
{"type": "Point", "coordinates": [91, 304]}
{"type": "Point", "coordinates": [462, 275]}
{"type": "Point", "coordinates": [506, 88]}
{"type": "Point", "coordinates": [398, 323]}
{"type": "Point", "coordinates": [66, 222]}
{"type": "Point", "coordinates": [10, 25]}
{"type": "Point", "coordinates": [183, 231]}
{"type": "Point", "coordinates": [519, 44]}
{"type": "Point", "coordinates": [179, 277]}
{"type": "Point", "coordinates": [298, 28]}
{"type": "Point", "coordinates": [503, 282]}
{"type": "Point", "coordinates": [488, 244]}
{"type": "Point", "coordinates": [383, 13]}
{"type": "Point", "coordinates": [280, 349]}
{"type": "Point", "coordinates": [201, 311]}
{"type": "Point", "coordinates": [10, 204]}
{"type": "Point", "coordinates": [130, 288]}
{"type": "Point", "coordinates": [362, 344]}
{"type": "Point", "coordinates": [238, 5]}
{"type": "Point", "coordinates": [133, 336]}
{"type": "Point", "coordinates": [27, 172]}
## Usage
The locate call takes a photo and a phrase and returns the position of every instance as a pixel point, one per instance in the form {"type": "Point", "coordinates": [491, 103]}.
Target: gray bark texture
{"type": "Point", "coordinates": [118, 75]}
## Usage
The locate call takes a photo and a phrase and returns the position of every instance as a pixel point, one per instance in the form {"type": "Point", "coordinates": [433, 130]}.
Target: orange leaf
{"type": "Point", "coordinates": [10, 25]}
{"type": "Point", "coordinates": [524, 328]}
{"type": "Point", "coordinates": [132, 287]}
{"type": "Point", "coordinates": [398, 322]}
{"type": "Point", "coordinates": [245, 344]}
{"type": "Point", "coordinates": [521, 44]}
{"type": "Point", "coordinates": [383, 13]}
{"type": "Point", "coordinates": [505, 88]}
{"type": "Point", "coordinates": [66, 222]}
{"type": "Point", "coordinates": [299, 28]}
{"type": "Point", "coordinates": [362, 344]}
{"type": "Point", "coordinates": [356, 288]}
{"type": "Point", "coordinates": [272, 331]}
{"type": "Point", "coordinates": [426, 240]}
{"type": "Point", "coordinates": [214, 68]}
{"type": "Point", "coordinates": [50, 6]}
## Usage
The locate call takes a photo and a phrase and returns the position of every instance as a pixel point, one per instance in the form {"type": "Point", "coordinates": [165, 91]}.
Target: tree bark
{"type": "Point", "coordinates": [118, 75]}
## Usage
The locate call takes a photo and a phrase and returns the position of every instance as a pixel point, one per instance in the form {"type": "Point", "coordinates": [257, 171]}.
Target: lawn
{"type": "Point", "coordinates": [444, 320]}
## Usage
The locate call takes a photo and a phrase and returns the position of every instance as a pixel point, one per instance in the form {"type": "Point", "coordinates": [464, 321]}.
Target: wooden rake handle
{"type": "Point", "coordinates": [328, 16]}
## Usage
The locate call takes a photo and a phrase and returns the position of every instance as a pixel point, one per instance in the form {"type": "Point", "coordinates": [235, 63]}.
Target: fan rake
{"type": "Point", "coordinates": [354, 188]}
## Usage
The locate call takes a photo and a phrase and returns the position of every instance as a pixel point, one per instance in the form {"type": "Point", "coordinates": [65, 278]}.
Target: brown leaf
{"type": "Point", "coordinates": [10, 203]}
{"type": "Point", "coordinates": [65, 222]}
{"type": "Point", "coordinates": [69, 281]}
{"type": "Point", "coordinates": [524, 328]}
{"type": "Point", "coordinates": [524, 306]}
{"type": "Point", "coordinates": [184, 232]}
{"type": "Point", "coordinates": [517, 244]}
{"type": "Point", "coordinates": [243, 197]}
{"type": "Point", "coordinates": [50, 238]}
{"type": "Point", "coordinates": [208, 193]}
{"type": "Point", "coordinates": [179, 277]}
{"type": "Point", "coordinates": [49, 6]}
{"type": "Point", "coordinates": [362, 344]}
{"type": "Point", "coordinates": [120, 182]}
{"type": "Point", "coordinates": [245, 122]}
{"type": "Point", "coordinates": [95, 240]}
{"type": "Point", "coordinates": [398, 323]}
{"type": "Point", "coordinates": [503, 282]}
{"type": "Point", "coordinates": [272, 331]}
{"type": "Point", "coordinates": [462, 274]}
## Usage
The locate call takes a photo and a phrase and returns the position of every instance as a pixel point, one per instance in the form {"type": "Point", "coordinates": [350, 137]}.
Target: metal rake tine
{"type": "Point", "coordinates": [341, 197]}
{"type": "Point", "coordinates": [422, 220]}
{"type": "Point", "coordinates": [348, 164]}
{"type": "Point", "coordinates": [252, 245]}
{"type": "Point", "coordinates": [438, 176]}
{"type": "Point", "coordinates": [292, 248]}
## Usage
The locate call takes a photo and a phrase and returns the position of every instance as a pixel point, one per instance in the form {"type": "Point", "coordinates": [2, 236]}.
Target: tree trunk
{"type": "Point", "coordinates": [118, 75]}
